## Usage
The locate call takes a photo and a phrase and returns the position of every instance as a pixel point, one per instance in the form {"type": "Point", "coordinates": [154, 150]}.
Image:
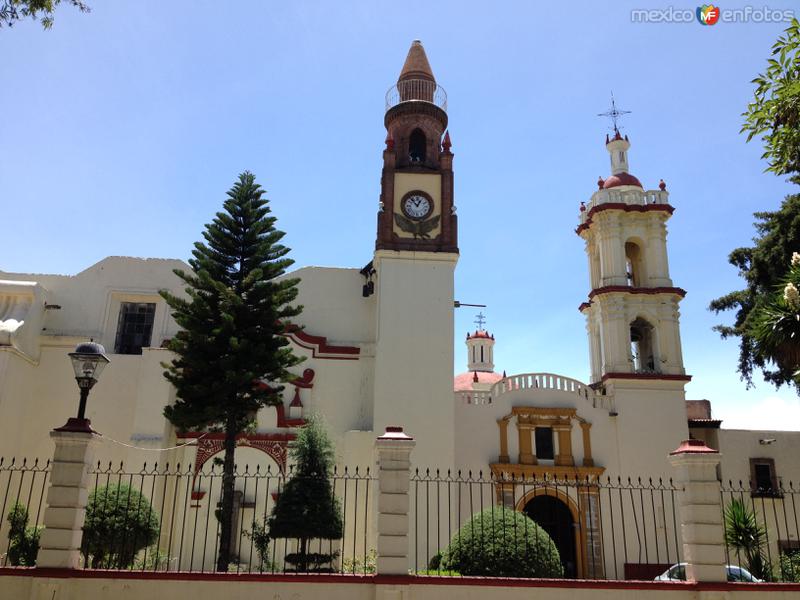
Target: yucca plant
{"type": "Point", "coordinates": [746, 538]}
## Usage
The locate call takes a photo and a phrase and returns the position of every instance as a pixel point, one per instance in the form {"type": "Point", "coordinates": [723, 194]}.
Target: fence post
{"type": "Point", "coordinates": [394, 475]}
{"type": "Point", "coordinates": [700, 504]}
{"type": "Point", "coordinates": [67, 495]}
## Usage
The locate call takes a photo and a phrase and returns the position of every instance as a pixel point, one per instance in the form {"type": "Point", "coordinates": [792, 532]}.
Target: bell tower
{"type": "Point", "coordinates": [632, 316]}
{"type": "Point", "coordinates": [415, 257]}
{"type": "Point", "coordinates": [632, 310]}
{"type": "Point", "coordinates": [416, 208]}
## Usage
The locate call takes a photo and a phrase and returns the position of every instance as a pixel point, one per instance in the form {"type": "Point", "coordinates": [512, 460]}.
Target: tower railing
{"type": "Point", "coordinates": [536, 381]}
{"type": "Point", "coordinates": [628, 197]}
{"type": "Point", "coordinates": [409, 90]}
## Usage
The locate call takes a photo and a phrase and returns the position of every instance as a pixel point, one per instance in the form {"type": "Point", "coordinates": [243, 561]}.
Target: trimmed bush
{"type": "Point", "coordinates": [120, 522]}
{"type": "Point", "coordinates": [501, 542]}
{"type": "Point", "coordinates": [23, 541]}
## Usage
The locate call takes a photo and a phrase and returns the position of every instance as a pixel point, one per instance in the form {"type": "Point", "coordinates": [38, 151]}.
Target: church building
{"type": "Point", "coordinates": [379, 344]}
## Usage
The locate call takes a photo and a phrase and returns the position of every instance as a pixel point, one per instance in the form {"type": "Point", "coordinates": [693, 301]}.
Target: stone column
{"type": "Point", "coordinates": [394, 473]}
{"type": "Point", "coordinates": [700, 506]}
{"type": "Point", "coordinates": [504, 457]}
{"type": "Point", "coordinates": [67, 496]}
{"type": "Point", "coordinates": [588, 461]}
{"type": "Point", "coordinates": [564, 455]}
{"type": "Point", "coordinates": [525, 430]}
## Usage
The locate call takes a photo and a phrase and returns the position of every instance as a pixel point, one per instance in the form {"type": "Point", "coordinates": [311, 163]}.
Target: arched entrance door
{"type": "Point", "coordinates": [552, 515]}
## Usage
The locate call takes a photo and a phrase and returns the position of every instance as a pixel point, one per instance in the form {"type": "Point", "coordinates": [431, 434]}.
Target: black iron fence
{"type": "Point", "coordinates": [23, 485]}
{"type": "Point", "coordinates": [602, 528]}
{"type": "Point", "coordinates": [762, 531]}
{"type": "Point", "coordinates": [167, 518]}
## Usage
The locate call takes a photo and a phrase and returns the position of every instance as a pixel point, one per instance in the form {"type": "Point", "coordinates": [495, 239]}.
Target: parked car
{"type": "Point", "coordinates": [735, 573]}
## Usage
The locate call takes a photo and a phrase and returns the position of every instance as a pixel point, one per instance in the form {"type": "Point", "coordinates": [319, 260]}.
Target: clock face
{"type": "Point", "coordinates": [417, 206]}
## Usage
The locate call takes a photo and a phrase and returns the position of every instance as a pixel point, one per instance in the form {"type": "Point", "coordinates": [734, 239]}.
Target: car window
{"type": "Point", "coordinates": [737, 574]}
{"type": "Point", "coordinates": [678, 572]}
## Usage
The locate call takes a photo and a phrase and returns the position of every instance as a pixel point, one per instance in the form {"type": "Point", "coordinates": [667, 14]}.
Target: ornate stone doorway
{"type": "Point", "coordinates": [555, 517]}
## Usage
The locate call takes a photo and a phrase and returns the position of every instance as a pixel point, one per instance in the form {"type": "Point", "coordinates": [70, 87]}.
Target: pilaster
{"type": "Point", "coordinates": [700, 506]}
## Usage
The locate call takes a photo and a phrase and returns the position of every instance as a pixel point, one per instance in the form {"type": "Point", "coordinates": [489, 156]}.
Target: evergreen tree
{"type": "Point", "coordinates": [232, 327]}
{"type": "Point", "coordinates": [306, 508]}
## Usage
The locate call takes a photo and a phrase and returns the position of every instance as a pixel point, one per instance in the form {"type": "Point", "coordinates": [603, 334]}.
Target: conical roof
{"type": "Point", "coordinates": [416, 65]}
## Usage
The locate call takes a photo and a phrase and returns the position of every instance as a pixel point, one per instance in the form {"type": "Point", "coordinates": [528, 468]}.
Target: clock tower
{"type": "Point", "coordinates": [416, 251]}
{"type": "Point", "coordinates": [416, 209]}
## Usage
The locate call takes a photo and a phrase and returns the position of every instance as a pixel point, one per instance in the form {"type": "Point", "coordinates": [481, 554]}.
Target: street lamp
{"type": "Point", "coordinates": [88, 361]}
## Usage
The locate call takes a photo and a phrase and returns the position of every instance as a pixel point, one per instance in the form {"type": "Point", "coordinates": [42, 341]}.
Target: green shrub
{"type": "Point", "coordinates": [120, 522]}
{"type": "Point", "coordinates": [23, 540]}
{"type": "Point", "coordinates": [790, 567]}
{"type": "Point", "coordinates": [359, 564]}
{"type": "Point", "coordinates": [501, 542]}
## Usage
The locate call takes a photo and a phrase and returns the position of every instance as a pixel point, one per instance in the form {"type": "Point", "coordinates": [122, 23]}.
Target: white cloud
{"type": "Point", "coordinates": [768, 413]}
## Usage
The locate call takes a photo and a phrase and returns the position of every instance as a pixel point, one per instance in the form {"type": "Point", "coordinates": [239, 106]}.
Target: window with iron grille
{"type": "Point", "coordinates": [134, 327]}
{"type": "Point", "coordinates": [763, 479]}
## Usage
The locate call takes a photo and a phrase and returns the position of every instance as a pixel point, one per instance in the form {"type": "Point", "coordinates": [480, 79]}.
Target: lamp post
{"type": "Point", "coordinates": [88, 361]}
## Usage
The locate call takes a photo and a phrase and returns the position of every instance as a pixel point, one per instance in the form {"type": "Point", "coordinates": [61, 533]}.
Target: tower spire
{"type": "Point", "coordinates": [416, 65]}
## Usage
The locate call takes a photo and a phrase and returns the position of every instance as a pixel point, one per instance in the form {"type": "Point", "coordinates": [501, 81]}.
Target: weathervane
{"type": "Point", "coordinates": [480, 320]}
{"type": "Point", "coordinates": [614, 114]}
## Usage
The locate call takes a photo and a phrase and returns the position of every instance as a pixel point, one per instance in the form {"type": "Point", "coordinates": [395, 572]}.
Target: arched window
{"type": "Point", "coordinates": [643, 347]}
{"type": "Point", "coordinates": [416, 146]}
{"type": "Point", "coordinates": [634, 264]}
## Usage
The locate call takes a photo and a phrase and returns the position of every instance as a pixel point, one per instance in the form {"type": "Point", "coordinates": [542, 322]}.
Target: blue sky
{"type": "Point", "coordinates": [122, 130]}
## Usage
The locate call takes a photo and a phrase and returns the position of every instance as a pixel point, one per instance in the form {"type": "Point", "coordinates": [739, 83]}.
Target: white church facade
{"type": "Point", "coordinates": [378, 344]}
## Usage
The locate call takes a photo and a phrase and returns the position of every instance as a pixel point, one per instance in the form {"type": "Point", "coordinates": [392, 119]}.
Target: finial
{"type": "Point", "coordinates": [475, 376]}
{"type": "Point", "coordinates": [661, 185]}
{"type": "Point", "coordinates": [583, 205]}
{"type": "Point", "coordinates": [480, 319]}
{"type": "Point", "coordinates": [614, 114]}
{"type": "Point", "coordinates": [600, 180]}
{"type": "Point", "coordinates": [447, 144]}
{"type": "Point", "coordinates": [504, 374]}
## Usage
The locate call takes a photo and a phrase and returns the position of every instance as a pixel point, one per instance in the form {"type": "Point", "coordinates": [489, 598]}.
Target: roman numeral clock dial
{"type": "Point", "coordinates": [416, 206]}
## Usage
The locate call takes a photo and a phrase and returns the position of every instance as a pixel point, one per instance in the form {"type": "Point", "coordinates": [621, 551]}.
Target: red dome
{"type": "Point", "coordinates": [480, 334]}
{"type": "Point", "coordinates": [621, 179]}
{"type": "Point", "coordinates": [463, 381]}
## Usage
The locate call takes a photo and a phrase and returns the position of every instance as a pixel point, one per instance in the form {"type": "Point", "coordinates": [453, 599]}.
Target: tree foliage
{"type": "Point", "coordinates": [232, 327]}
{"type": "Point", "coordinates": [12, 11]}
{"type": "Point", "coordinates": [23, 541]}
{"type": "Point", "coordinates": [774, 113]}
{"type": "Point", "coordinates": [500, 542]}
{"type": "Point", "coordinates": [307, 508]}
{"type": "Point", "coordinates": [763, 267]}
{"type": "Point", "coordinates": [120, 522]}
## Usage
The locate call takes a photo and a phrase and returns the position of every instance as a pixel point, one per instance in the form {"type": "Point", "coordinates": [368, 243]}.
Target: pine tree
{"type": "Point", "coordinates": [306, 508]}
{"type": "Point", "coordinates": [232, 327]}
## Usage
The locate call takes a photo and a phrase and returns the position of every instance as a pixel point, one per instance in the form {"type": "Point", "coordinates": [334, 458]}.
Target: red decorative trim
{"type": "Point", "coordinates": [584, 306]}
{"type": "Point", "coordinates": [276, 445]}
{"type": "Point", "coordinates": [196, 495]}
{"type": "Point", "coordinates": [284, 422]}
{"type": "Point", "coordinates": [610, 289]}
{"type": "Point", "coordinates": [646, 376]}
{"type": "Point", "coordinates": [319, 345]}
{"type": "Point", "coordinates": [693, 447]}
{"type": "Point", "coordinates": [306, 380]}
{"type": "Point", "coordinates": [624, 207]}
{"type": "Point", "coordinates": [218, 435]}
{"type": "Point", "coordinates": [761, 588]}
{"type": "Point", "coordinates": [296, 402]}
{"type": "Point", "coordinates": [75, 425]}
